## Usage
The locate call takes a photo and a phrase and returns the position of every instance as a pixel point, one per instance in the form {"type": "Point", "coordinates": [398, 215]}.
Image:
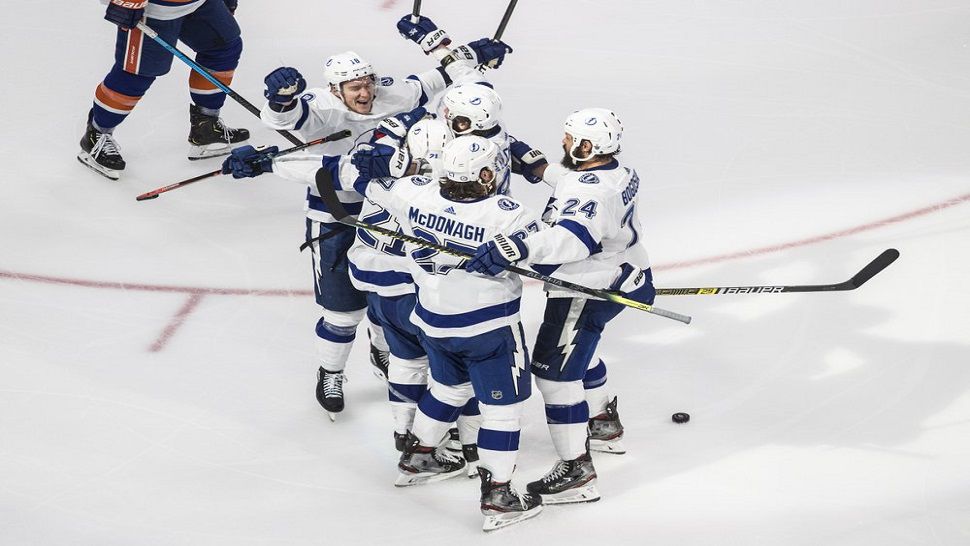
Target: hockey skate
{"type": "Point", "coordinates": [399, 440]}
{"type": "Point", "coordinates": [470, 453]}
{"type": "Point", "coordinates": [452, 442]}
{"type": "Point", "coordinates": [568, 482]}
{"type": "Point", "coordinates": [209, 136]}
{"type": "Point", "coordinates": [99, 152]}
{"type": "Point", "coordinates": [380, 360]}
{"type": "Point", "coordinates": [503, 506]}
{"type": "Point", "coordinates": [330, 391]}
{"type": "Point", "coordinates": [606, 431]}
{"type": "Point", "coordinates": [420, 464]}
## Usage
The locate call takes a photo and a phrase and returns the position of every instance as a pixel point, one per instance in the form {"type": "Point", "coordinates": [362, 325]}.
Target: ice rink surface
{"type": "Point", "coordinates": [156, 358]}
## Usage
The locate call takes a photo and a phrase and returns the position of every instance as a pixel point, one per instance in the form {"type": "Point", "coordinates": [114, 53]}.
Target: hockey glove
{"type": "Point", "coordinates": [424, 33]}
{"type": "Point", "coordinates": [380, 161]}
{"type": "Point", "coordinates": [232, 5]}
{"type": "Point", "coordinates": [125, 14]}
{"type": "Point", "coordinates": [283, 85]}
{"type": "Point", "coordinates": [484, 51]}
{"type": "Point", "coordinates": [496, 255]}
{"type": "Point", "coordinates": [635, 283]}
{"type": "Point", "coordinates": [397, 127]}
{"type": "Point", "coordinates": [248, 162]}
{"type": "Point", "coordinates": [525, 161]}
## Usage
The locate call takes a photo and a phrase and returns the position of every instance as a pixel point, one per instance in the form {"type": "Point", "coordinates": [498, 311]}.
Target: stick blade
{"type": "Point", "coordinates": [146, 196]}
{"type": "Point", "coordinates": [881, 262]}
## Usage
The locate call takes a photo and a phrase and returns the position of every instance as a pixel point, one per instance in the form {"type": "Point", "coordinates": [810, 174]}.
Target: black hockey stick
{"type": "Point", "coordinates": [212, 79]}
{"type": "Point", "coordinates": [416, 11]}
{"type": "Point", "coordinates": [881, 262]}
{"type": "Point", "coordinates": [501, 30]}
{"type": "Point", "coordinates": [156, 192]}
{"type": "Point", "coordinates": [329, 197]}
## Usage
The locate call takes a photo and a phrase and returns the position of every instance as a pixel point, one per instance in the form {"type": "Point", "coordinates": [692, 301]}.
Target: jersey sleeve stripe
{"type": "Point", "coordinates": [582, 234]}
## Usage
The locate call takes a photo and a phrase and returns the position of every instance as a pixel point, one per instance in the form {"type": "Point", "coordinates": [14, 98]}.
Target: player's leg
{"type": "Point", "coordinates": [138, 61]}
{"type": "Point", "coordinates": [605, 428]}
{"type": "Point", "coordinates": [563, 350]}
{"type": "Point", "coordinates": [468, 425]}
{"type": "Point", "coordinates": [343, 309]}
{"type": "Point", "coordinates": [212, 32]}
{"type": "Point", "coordinates": [498, 364]}
{"type": "Point", "coordinates": [423, 460]}
{"type": "Point", "coordinates": [379, 350]}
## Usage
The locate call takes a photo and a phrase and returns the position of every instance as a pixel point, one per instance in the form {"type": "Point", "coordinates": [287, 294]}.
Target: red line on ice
{"type": "Point", "coordinates": [196, 293]}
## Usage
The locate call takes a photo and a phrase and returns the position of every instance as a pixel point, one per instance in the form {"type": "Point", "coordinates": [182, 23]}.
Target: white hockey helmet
{"type": "Point", "coordinates": [344, 67]}
{"type": "Point", "coordinates": [464, 159]}
{"type": "Point", "coordinates": [426, 140]}
{"type": "Point", "coordinates": [475, 101]}
{"type": "Point", "coordinates": [599, 126]}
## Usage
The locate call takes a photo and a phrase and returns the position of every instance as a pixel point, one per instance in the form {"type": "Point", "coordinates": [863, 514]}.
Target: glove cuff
{"type": "Point", "coordinates": [512, 249]}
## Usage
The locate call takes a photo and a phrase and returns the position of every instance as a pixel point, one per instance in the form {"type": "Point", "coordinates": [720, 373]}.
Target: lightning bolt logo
{"type": "Point", "coordinates": [567, 339]}
{"type": "Point", "coordinates": [518, 359]}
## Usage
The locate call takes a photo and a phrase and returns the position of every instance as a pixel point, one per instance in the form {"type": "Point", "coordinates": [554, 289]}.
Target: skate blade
{"type": "Point", "coordinates": [472, 469]}
{"type": "Point", "coordinates": [607, 446]}
{"type": "Point", "coordinates": [332, 416]}
{"type": "Point", "coordinates": [499, 520]}
{"type": "Point", "coordinates": [205, 151]}
{"type": "Point", "coordinates": [586, 493]}
{"type": "Point", "coordinates": [89, 162]}
{"type": "Point", "coordinates": [407, 480]}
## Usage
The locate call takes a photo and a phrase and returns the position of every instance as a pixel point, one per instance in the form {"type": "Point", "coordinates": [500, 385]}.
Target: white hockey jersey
{"type": "Point", "coordinates": [379, 263]}
{"type": "Point", "coordinates": [452, 302]}
{"type": "Point", "coordinates": [595, 227]}
{"type": "Point", "coordinates": [319, 113]}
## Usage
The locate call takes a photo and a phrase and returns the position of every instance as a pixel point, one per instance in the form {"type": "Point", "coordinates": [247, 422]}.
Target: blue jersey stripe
{"type": "Point", "coordinates": [583, 234]}
{"type": "Point", "coordinates": [316, 203]}
{"type": "Point", "coordinates": [469, 318]}
{"type": "Point", "coordinates": [380, 278]}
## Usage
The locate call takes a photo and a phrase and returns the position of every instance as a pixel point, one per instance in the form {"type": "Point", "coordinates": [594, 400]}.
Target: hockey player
{"type": "Point", "coordinates": [206, 26]}
{"type": "Point", "coordinates": [469, 323]}
{"type": "Point", "coordinates": [354, 98]}
{"type": "Point", "coordinates": [476, 109]}
{"type": "Point", "coordinates": [379, 267]}
{"type": "Point", "coordinates": [595, 225]}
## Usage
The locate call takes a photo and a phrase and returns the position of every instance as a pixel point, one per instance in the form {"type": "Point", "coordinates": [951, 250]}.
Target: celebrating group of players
{"type": "Point", "coordinates": [444, 178]}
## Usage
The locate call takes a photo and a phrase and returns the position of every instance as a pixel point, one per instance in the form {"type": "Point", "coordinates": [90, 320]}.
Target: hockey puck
{"type": "Point", "coordinates": [680, 418]}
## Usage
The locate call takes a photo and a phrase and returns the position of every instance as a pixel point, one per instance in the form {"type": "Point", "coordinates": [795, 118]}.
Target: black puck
{"type": "Point", "coordinates": [680, 418]}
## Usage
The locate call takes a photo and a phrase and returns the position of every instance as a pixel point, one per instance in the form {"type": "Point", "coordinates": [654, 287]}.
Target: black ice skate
{"type": "Point", "coordinates": [379, 359]}
{"type": "Point", "coordinates": [502, 506]}
{"type": "Point", "coordinates": [470, 453]}
{"type": "Point", "coordinates": [606, 431]}
{"type": "Point", "coordinates": [452, 442]}
{"type": "Point", "coordinates": [399, 440]}
{"type": "Point", "coordinates": [568, 482]}
{"type": "Point", "coordinates": [100, 152]}
{"type": "Point", "coordinates": [209, 137]}
{"type": "Point", "coordinates": [420, 464]}
{"type": "Point", "coordinates": [330, 391]}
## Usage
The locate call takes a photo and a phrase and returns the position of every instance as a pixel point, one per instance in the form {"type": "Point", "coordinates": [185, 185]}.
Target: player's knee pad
{"type": "Point", "coordinates": [344, 318]}
{"type": "Point", "coordinates": [560, 393]}
{"type": "Point", "coordinates": [408, 371]}
{"type": "Point", "coordinates": [127, 83]}
{"type": "Point", "coordinates": [222, 58]}
{"type": "Point", "coordinates": [502, 417]}
{"type": "Point", "coordinates": [453, 395]}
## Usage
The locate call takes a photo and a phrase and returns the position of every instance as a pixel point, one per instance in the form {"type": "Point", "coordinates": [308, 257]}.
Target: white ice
{"type": "Point", "coordinates": [781, 142]}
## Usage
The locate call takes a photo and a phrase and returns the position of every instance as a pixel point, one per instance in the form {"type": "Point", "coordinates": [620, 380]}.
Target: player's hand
{"type": "Point", "coordinates": [397, 127]}
{"type": "Point", "coordinates": [283, 85]}
{"type": "Point", "coordinates": [248, 162]}
{"type": "Point", "coordinates": [424, 33]}
{"type": "Point", "coordinates": [380, 161]}
{"type": "Point", "coordinates": [232, 5]}
{"type": "Point", "coordinates": [497, 255]}
{"type": "Point", "coordinates": [526, 160]}
{"type": "Point", "coordinates": [484, 51]}
{"type": "Point", "coordinates": [125, 14]}
{"type": "Point", "coordinates": [635, 283]}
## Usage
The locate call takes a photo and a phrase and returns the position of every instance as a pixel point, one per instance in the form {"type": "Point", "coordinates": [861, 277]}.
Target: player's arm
{"type": "Point", "coordinates": [532, 164]}
{"type": "Point", "coordinates": [288, 108]}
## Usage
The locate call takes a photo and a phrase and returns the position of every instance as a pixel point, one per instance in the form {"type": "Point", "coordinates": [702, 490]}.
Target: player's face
{"type": "Point", "coordinates": [359, 94]}
{"type": "Point", "coordinates": [567, 144]}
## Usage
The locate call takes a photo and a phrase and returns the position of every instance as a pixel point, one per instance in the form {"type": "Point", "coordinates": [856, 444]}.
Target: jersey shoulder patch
{"type": "Point", "coordinates": [385, 81]}
{"type": "Point", "coordinates": [420, 180]}
{"type": "Point", "coordinates": [589, 178]}
{"type": "Point", "coordinates": [505, 203]}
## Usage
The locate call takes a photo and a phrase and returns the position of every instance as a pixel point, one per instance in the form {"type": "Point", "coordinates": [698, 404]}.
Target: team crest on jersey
{"type": "Point", "coordinates": [589, 178]}
{"type": "Point", "coordinates": [507, 204]}
{"type": "Point", "coordinates": [420, 180]}
{"type": "Point", "coordinates": [386, 81]}
{"type": "Point", "coordinates": [496, 395]}
{"type": "Point", "coordinates": [307, 97]}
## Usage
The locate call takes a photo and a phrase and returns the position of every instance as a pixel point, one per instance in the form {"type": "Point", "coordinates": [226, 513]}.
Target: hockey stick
{"type": "Point", "coordinates": [156, 192]}
{"type": "Point", "coordinates": [881, 262]}
{"type": "Point", "coordinates": [329, 197]}
{"type": "Point", "coordinates": [416, 11]}
{"type": "Point", "coordinates": [501, 29]}
{"type": "Point", "coordinates": [205, 74]}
